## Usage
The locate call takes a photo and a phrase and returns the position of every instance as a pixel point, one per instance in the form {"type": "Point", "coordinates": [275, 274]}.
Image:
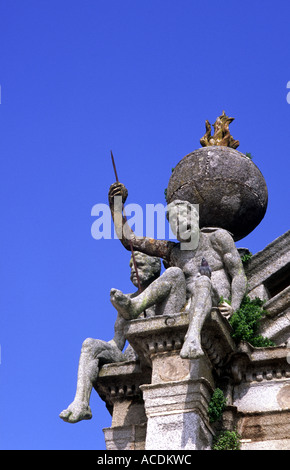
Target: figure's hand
{"type": "Point", "coordinates": [226, 310]}
{"type": "Point", "coordinates": [122, 303]}
{"type": "Point", "coordinates": [117, 189]}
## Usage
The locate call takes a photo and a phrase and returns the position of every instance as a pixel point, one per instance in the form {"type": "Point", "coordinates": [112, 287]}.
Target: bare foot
{"type": "Point", "coordinates": [191, 349]}
{"type": "Point", "coordinates": [77, 411]}
{"type": "Point", "coordinates": [122, 303]}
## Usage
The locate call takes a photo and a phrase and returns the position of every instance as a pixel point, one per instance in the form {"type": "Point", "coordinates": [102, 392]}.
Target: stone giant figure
{"type": "Point", "coordinates": [95, 352]}
{"type": "Point", "coordinates": [184, 259]}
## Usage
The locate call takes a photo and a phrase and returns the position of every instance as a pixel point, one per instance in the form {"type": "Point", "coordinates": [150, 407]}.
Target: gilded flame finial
{"type": "Point", "coordinates": [221, 135]}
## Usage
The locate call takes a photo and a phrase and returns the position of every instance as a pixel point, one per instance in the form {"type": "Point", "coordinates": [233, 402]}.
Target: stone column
{"type": "Point", "coordinates": [160, 402]}
{"type": "Point", "coordinates": [176, 401]}
{"type": "Point", "coordinates": [119, 386]}
{"type": "Point", "coordinates": [177, 409]}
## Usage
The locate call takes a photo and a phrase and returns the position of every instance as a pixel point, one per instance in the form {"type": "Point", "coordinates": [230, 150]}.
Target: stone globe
{"type": "Point", "coordinates": [229, 188]}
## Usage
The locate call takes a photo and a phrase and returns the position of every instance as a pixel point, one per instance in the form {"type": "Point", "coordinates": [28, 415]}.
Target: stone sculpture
{"type": "Point", "coordinates": [229, 188]}
{"type": "Point", "coordinates": [95, 352]}
{"type": "Point", "coordinates": [182, 280]}
{"type": "Point", "coordinates": [222, 135]}
{"type": "Point", "coordinates": [159, 390]}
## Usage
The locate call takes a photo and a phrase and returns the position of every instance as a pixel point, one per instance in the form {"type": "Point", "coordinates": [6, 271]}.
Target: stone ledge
{"type": "Point", "coordinates": [278, 304]}
{"type": "Point", "coordinates": [264, 426]}
{"type": "Point", "coordinates": [275, 324]}
{"type": "Point", "coordinates": [155, 335]}
{"type": "Point", "coordinates": [255, 364]}
{"type": "Point", "coordinates": [275, 444]}
{"type": "Point", "coordinates": [176, 397]}
{"type": "Point", "coordinates": [268, 261]}
{"type": "Point", "coordinates": [120, 381]}
{"type": "Point", "coordinates": [265, 354]}
{"type": "Point", "coordinates": [120, 369]}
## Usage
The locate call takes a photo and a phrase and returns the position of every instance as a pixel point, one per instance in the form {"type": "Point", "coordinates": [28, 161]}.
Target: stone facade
{"type": "Point", "coordinates": [160, 401]}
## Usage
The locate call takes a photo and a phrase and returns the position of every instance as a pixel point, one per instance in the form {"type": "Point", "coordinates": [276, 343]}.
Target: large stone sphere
{"type": "Point", "coordinates": [227, 185]}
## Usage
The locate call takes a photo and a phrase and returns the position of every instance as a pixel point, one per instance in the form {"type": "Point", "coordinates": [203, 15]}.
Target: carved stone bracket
{"type": "Point", "coordinates": [121, 381]}
{"type": "Point", "coordinates": [250, 364]}
{"type": "Point", "coordinates": [164, 334]}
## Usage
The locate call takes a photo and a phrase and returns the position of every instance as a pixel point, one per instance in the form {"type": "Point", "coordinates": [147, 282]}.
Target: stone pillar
{"type": "Point", "coordinates": [177, 409]}
{"type": "Point", "coordinates": [119, 386]}
{"type": "Point", "coordinates": [160, 402]}
{"type": "Point", "coordinates": [176, 401]}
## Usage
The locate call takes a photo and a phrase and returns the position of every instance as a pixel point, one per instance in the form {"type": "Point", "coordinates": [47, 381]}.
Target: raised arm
{"type": "Point", "coordinates": [150, 246]}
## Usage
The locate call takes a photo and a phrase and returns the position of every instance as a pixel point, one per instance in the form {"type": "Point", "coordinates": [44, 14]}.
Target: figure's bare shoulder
{"type": "Point", "coordinates": [222, 240]}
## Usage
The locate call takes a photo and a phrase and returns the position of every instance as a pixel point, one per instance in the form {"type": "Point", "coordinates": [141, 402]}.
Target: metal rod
{"type": "Point", "coordinates": [114, 166]}
{"type": "Point", "coordinates": [130, 241]}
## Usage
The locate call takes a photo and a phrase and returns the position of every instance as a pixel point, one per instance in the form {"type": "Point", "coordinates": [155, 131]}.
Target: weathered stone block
{"type": "Point", "coordinates": [177, 415]}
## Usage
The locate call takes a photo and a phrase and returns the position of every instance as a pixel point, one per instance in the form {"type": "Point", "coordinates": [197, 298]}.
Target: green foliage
{"type": "Point", "coordinates": [245, 323]}
{"type": "Point", "coordinates": [222, 299]}
{"type": "Point", "coordinates": [227, 440]}
{"type": "Point", "coordinates": [249, 155]}
{"type": "Point", "coordinates": [216, 405]}
{"type": "Point", "coordinates": [260, 341]}
{"type": "Point", "coordinates": [246, 258]}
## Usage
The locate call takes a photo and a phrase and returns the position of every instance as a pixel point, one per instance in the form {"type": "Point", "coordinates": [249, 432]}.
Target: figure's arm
{"type": "Point", "coordinates": [150, 246]}
{"type": "Point", "coordinates": [119, 338]}
{"type": "Point", "coordinates": [224, 243]}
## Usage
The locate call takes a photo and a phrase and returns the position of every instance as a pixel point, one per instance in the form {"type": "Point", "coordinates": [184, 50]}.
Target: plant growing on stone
{"type": "Point", "coordinates": [222, 300]}
{"type": "Point", "coordinates": [246, 258]}
{"type": "Point", "coordinates": [245, 323]}
{"type": "Point", "coordinates": [227, 440]}
{"type": "Point", "coordinates": [216, 405]}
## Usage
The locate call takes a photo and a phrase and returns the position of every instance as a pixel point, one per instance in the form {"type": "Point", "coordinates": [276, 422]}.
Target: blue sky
{"type": "Point", "coordinates": [79, 78]}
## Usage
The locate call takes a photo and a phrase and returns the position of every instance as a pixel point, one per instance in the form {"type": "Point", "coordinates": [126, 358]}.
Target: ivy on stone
{"type": "Point", "coordinates": [227, 440]}
{"type": "Point", "coordinates": [245, 323]}
{"type": "Point", "coordinates": [216, 405]}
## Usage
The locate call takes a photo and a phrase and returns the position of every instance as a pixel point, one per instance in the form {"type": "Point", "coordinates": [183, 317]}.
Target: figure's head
{"type": "Point", "coordinates": [149, 268]}
{"type": "Point", "coordinates": [184, 221]}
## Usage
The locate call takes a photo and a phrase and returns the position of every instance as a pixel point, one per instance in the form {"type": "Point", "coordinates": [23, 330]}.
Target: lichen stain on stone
{"type": "Point", "coordinates": [283, 397]}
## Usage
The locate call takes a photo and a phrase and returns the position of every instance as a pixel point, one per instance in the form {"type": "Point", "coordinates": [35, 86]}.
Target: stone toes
{"type": "Point", "coordinates": [65, 414]}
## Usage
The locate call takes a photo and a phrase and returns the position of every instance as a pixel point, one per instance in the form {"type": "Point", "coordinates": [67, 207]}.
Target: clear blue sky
{"type": "Point", "coordinates": [81, 77]}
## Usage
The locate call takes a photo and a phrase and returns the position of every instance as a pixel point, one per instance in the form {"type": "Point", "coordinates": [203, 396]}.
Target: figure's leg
{"type": "Point", "coordinates": [200, 307]}
{"type": "Point", "coordinates": [168, 292]}
{"type": "Point", "coordinates": [88, 371]}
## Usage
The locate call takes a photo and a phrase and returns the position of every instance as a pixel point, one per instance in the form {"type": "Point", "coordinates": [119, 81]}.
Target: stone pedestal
{"type": "Point", "coordinates": [119, 386]}
{"type": "Point", "coordinates": [177, 415]}
{"type": "Point", "coordinates": [176, 400]}
{"type": "Point", "coordinates": [160, 402]}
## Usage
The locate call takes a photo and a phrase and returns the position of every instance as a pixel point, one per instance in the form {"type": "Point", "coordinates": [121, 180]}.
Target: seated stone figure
{"type": "Point", "coordinates": [95, 352]}
{"type": "Point", "coordinates": [186, 274]}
